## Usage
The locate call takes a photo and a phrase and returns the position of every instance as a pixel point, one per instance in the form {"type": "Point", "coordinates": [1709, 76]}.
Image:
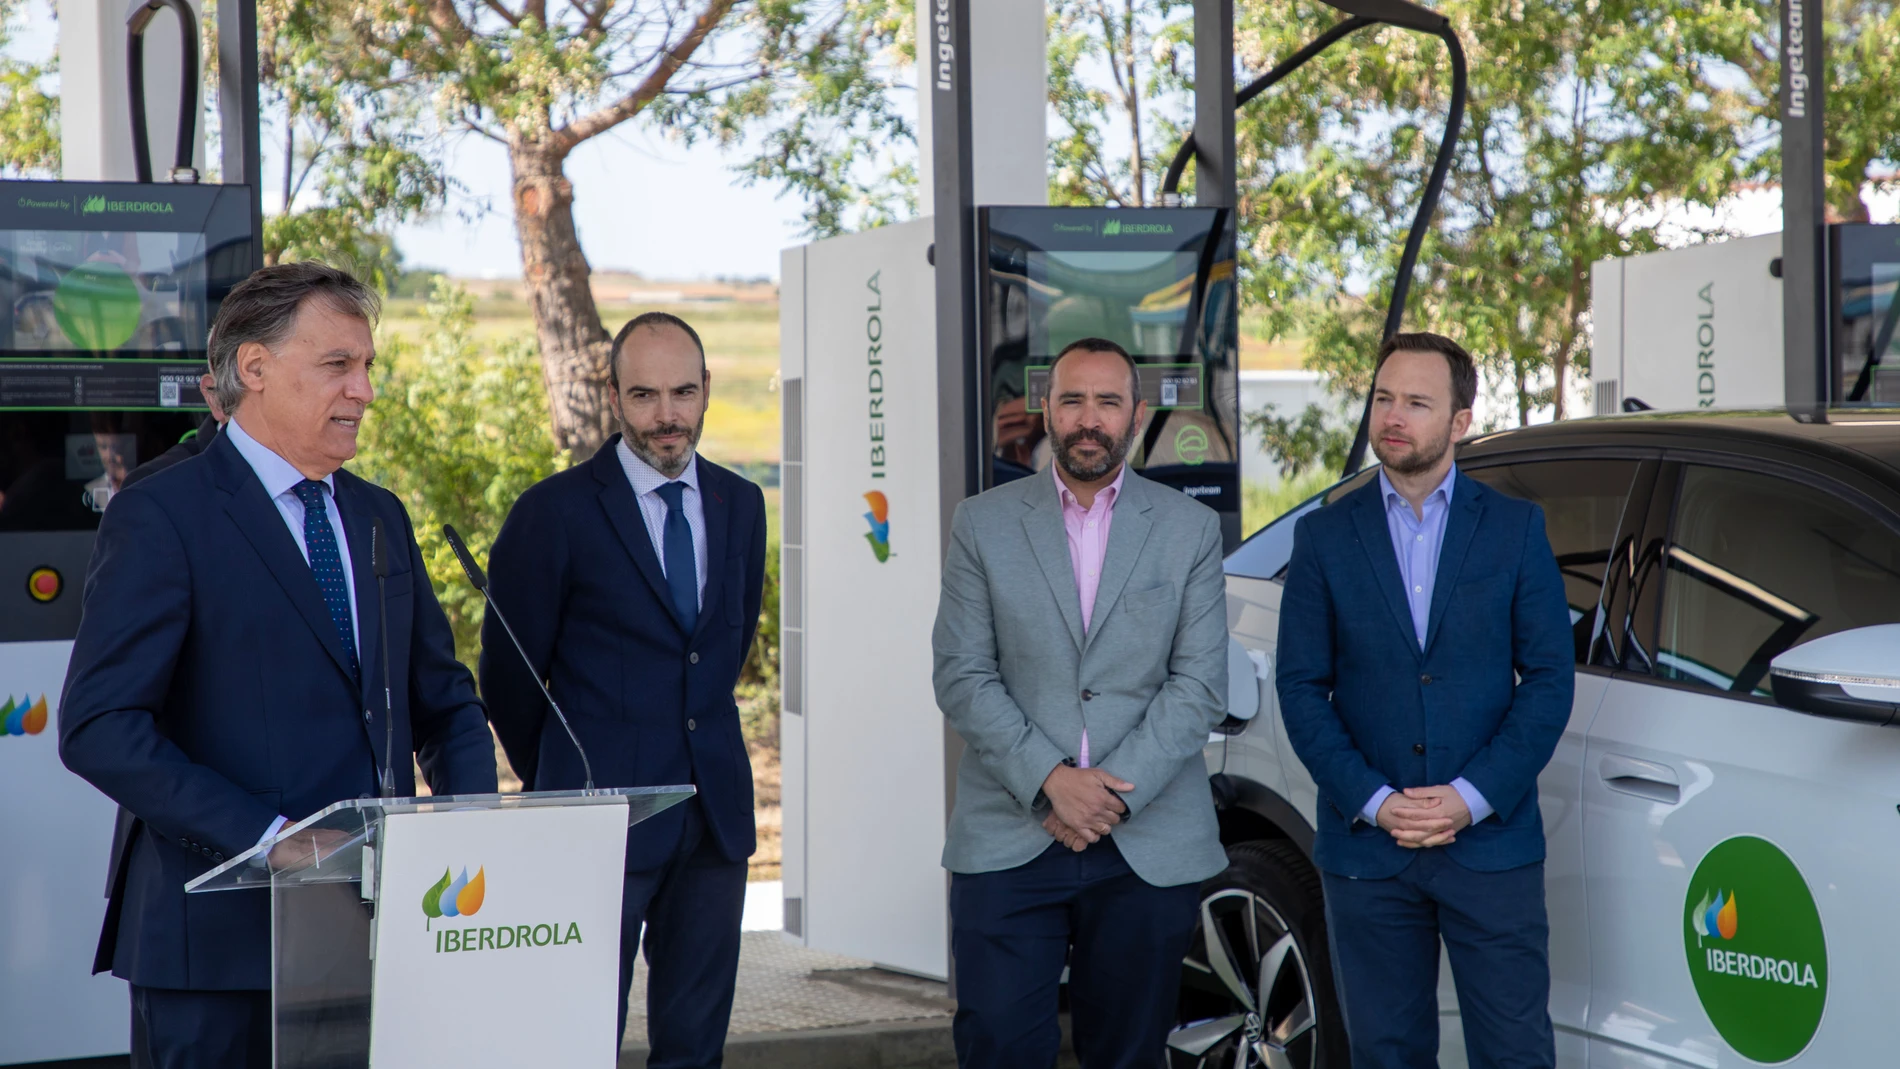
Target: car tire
{"type": "Point", "coordinates": [1263, 913]}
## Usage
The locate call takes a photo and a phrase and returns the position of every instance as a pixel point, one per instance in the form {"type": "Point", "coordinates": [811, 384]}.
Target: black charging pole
{"type": "Point", "coordinates": [1806, 312]}
{"type": "Point", "coordinates": [954, 255]}
{"type": "Point", "coordinates": [1216, 180]}
{"type": "Point", "coordinates": [239, 118]}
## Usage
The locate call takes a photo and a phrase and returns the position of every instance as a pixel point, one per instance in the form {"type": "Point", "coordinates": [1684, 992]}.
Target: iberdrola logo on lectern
{"type": "Point", "coordinates": [457, 897]}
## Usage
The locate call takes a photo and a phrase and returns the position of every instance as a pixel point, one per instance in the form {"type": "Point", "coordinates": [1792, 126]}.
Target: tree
{"type": "Point", "coordinates": [29, 116]}
{"type": "Point", "coordinates": [543, 77]}
{"type": "Point", "coordinates": [1863, 91]}
{"type": "Point", "coordinates": [1585, 119]}
{"type": "Point", "coordinates": [458, 431]}
{"type": "Point", "coordinates": [1134, 108]}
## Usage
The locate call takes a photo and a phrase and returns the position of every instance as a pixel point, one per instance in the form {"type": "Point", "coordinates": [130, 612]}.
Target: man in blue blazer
{"type": "Point", "coordinates": [228, 675]}
{"type": "Point", "coordinates": [1425, 678]}
{"type": "Point", "coordinates": [633, 581]}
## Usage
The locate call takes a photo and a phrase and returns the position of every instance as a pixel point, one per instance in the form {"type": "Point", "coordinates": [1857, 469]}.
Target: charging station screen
{"type": "Point", "coordinates": [1138, 300]}
{"type": "Point", "coordinates": [103, 291]}
{"type": "Point", "coordinates": [1159, 282]}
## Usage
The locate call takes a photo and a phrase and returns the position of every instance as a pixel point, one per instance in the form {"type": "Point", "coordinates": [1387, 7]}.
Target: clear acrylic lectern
{"type": "Point", "coordinates": [325, 878]}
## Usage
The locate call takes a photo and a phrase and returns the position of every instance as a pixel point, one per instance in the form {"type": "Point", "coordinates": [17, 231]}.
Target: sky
{"type": "Point", "coordinates": [641, 203]}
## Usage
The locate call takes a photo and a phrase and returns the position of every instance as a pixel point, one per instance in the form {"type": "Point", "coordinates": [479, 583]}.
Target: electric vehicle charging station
{"type": "Point", "coordinates": [911, 363]}
{"type": "Point", "coordinates": [1701, 326]}
{"type": "Point", "coordinates": [108, 285]}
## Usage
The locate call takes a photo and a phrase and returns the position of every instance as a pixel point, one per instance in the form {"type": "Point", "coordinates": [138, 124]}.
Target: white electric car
{"type": "Point", "coordinates": [1724, 843]}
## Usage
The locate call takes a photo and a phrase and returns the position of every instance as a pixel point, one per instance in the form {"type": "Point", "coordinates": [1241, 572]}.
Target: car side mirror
{"type": "Point", "coordinates": [1849, 675]}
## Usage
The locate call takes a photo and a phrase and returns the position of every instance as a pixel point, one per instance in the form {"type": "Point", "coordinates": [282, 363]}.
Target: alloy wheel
{"type": "Point", "coordinates": [1247, 985]}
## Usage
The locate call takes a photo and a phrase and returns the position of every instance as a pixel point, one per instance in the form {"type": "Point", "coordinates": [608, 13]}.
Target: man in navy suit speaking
{"type": "Point", "coordinates": [221, 683]}
{"type": "Point", "coordinates": [633, 581]}
{"type": "Point", "coordinates": [1425, 679]}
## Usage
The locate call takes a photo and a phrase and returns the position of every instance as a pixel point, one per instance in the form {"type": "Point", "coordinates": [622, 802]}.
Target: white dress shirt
{"type": "Point", "coordinates": [646, 484]}
{"type": "Point", "coordinates": [280, 480]}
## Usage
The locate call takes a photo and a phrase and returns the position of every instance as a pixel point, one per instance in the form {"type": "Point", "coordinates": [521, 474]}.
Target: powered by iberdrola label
{"type": "Point", "coordinates": [1756, 951]}
{"type": "Point", "coordinates": [498, 938]}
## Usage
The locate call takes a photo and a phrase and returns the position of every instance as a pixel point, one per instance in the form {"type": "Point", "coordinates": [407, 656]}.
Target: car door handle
{"type": "Point", "coordinates": [1645, 779]}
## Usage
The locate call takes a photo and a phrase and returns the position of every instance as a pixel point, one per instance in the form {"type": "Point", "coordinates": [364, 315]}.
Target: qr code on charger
{"type": "Point", "coordinates": [168, 394]}
{"type": "Point", "coordinates": [1170, 393]}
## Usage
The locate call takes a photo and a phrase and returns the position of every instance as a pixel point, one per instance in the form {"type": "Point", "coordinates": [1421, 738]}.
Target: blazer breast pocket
{"type": "Point", "coordinates": [1140, 601]}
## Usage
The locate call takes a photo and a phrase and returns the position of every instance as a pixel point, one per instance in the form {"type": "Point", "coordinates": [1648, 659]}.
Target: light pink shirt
{"type": "Point", "coordinates": [1088, 544]}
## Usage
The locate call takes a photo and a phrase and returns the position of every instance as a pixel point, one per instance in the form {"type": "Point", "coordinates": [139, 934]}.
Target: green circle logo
{"type": "Point", "coordinates": [1190, 442]}
{"type": "Point", "coordinates": [97, 305]}
{"type": "Point", "coordinates": [1756, 951]}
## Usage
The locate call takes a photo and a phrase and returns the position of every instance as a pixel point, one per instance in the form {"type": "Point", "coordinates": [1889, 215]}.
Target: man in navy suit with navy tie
{"type": "Point", "coordinates": [633, 581]}
{"type": "Point", "coordinates": [221, 682]}
{"type": "Point", "coordinates": [1425, 679]}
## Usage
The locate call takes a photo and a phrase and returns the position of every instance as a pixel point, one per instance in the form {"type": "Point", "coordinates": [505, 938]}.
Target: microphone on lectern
{"type": "Point", "coordinates": [479, 581]}
{"type": "Point", "coordinates": [379, 563]}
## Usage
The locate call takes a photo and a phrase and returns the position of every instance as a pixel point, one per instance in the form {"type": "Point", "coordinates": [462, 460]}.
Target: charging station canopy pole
{"type": "Point", "coordinates": [1806, 344]}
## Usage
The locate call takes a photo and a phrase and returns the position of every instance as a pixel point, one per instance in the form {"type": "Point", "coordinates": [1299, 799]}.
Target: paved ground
{"type": "Point", "coordinates": [796, 1008]}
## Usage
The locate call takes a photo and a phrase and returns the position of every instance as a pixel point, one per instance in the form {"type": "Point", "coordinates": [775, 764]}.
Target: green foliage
{"type": "Point", "coordinates": [1261, 504]}
{"type": "Point", "coordinates": [1297, 445]}
{"type": "Point", "coordinates": [360, 155]}
{"type": "Point", "coordinates": [829, 106]}
{"type": "Point", "coordinates": [1585, 119]}
{"type": "Point", "coordinates": [458, 431]}
{"type": "Point", "coordinates": [29, 117]}
{"type": "Point", "coordinates": [1112, 71]}
{"type": "Point", "coordinates": [758, 689]}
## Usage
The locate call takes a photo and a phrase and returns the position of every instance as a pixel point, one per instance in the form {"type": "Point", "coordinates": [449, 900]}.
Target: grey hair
{"type": "Point", "coordinates": [263, 307]}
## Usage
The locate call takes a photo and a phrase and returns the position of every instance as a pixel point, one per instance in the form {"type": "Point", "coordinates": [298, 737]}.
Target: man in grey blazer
{"type": "Point", "coordinates": [1080, 652]}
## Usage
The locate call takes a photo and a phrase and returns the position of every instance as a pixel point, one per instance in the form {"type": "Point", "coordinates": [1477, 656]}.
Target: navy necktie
{"type": "Point", "coordinates": [326, 563]}
{"type": "Point", "coordinates": [682, 574]}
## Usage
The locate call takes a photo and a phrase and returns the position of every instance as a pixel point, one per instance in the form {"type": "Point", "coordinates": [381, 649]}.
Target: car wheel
{"type": "Point", "coordinates": [1257, 984]}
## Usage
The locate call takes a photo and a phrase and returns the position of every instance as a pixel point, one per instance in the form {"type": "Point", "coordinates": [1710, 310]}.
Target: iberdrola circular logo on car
{"type": "Point", "coordinates": [1756, 951]}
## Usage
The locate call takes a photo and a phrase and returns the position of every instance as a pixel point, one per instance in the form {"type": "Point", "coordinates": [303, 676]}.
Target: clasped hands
{"type": "Point", "coordinates": [1083, 805]}
{"type": "Point", "coordinates": [1420, 817]}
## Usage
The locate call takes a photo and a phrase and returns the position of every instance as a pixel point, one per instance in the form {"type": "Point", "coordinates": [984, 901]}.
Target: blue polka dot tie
{"type": "Point", "coordinates": [326, 563]}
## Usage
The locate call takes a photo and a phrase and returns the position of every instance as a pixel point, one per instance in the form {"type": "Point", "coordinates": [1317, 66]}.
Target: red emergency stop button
{"type": "Point", "coordinates": [44, 584]}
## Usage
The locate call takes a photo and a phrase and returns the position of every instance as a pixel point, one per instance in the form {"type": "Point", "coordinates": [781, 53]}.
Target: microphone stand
{"type": "Point", "coordinates": [479, 581]}
{"type": "Point", "coordinates": [379, 562]}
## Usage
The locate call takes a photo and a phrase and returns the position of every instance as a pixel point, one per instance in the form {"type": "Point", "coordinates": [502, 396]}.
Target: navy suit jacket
{"type": "Point", "coordinates": [208, 693]}
{"type": "Point", "coordinates": [576, 572]}
{"type": "Point", "coordinates": [1487, 698]}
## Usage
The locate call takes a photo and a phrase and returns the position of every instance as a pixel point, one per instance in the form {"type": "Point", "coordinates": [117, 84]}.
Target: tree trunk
{"type": "Point", "coordinates": [554, 270]}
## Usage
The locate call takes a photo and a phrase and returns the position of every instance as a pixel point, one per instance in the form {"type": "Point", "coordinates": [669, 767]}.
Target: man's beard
{"type": "Point", "coordinates": [1113, 453]}
{"type": "Point", "coordinates": [671, 467]}
{"type": "Point", "coordinates": [1422, 457]}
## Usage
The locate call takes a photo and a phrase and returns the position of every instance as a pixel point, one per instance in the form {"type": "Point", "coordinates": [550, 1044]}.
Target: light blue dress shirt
{"type": "Point", "coordinates": [1416, 540]}
{"type": "Point", "coordinates": [646, 482]}
{"type": "Point", "coordinates": [280, 479]}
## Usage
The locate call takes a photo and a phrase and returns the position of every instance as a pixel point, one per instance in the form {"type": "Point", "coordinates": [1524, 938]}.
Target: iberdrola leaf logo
{"type": "Point", "coordinates": [455, 897]}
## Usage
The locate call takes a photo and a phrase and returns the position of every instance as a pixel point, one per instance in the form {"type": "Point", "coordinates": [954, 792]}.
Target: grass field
{"type": "Point", "coordinates": [741, 339]}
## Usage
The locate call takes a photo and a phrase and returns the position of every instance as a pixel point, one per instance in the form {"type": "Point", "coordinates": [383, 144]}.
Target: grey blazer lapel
{"type": "Point", "coordinates": [1127, 535]}
{"type": "Point", "coordinates": [1042, 524]}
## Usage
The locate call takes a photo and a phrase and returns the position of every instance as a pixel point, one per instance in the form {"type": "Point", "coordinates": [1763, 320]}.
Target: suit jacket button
{"type": "Point", "coordinates": [1087, 694]}
{"type": "Point", "coordinates": [366, 716]}
{"type": "Point", "coordinates": [691, 725]}
{"type": "Point", "coordinates": [692, 658]}
{"type": "Point", "coordinates": [1427, 680]}
{"type": "Point", "coordinates": [217, 857]}
{"type": "Point", "coordinates": [1418, 748]}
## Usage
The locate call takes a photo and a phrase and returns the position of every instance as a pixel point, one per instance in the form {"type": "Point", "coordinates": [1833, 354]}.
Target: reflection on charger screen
{"type": "Point", "coordinates": [102, 291]}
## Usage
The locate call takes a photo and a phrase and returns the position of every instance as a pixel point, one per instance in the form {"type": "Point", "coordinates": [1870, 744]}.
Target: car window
{"type": "Point", "coordinates": [1264, 555]}
{"type": "Point", "coordinates": [1583, 501]}
{"type": "Point", "coordinates": [1757, 564]}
